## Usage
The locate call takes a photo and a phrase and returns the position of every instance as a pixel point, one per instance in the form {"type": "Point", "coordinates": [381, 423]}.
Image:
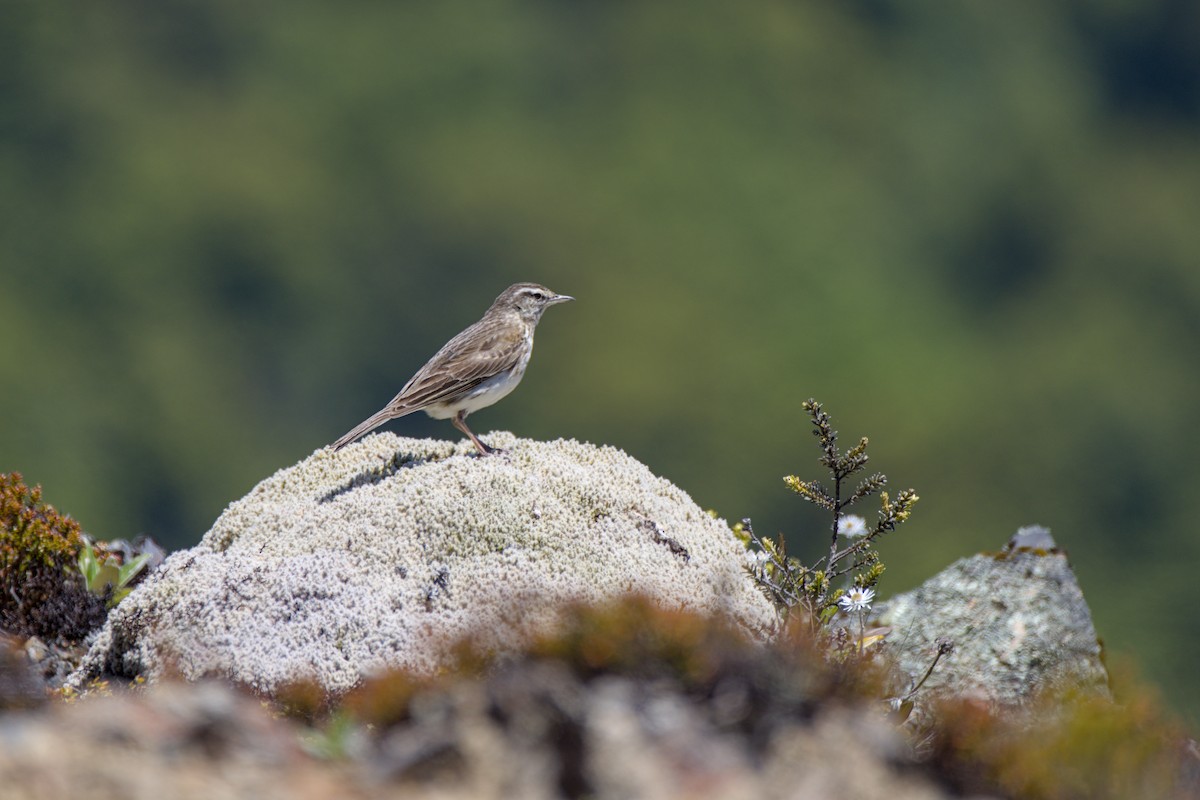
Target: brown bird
{"type": "Point", "coordinates": [476, 368]}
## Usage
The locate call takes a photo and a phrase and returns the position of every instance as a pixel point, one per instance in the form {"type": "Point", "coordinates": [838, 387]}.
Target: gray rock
{"type": "Point", "coordinates": [387, 553]}
{"type": "Point", "coordinates": [1031, 537]}
{"type": "Point", "coordinates": [1018, 623]}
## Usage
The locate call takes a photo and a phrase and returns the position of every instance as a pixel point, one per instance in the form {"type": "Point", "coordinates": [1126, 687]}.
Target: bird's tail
{"type": "Point", "coordinates": [366, 426]}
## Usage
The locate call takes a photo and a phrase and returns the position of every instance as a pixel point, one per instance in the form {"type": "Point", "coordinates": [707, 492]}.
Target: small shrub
{"type": "Point", "coordinates": [796, 587]}
{"type": "Point", "coordinates": [41, 593]}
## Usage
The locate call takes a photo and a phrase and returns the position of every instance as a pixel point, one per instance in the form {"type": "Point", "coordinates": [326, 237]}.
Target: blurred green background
{"type": "Point", "coordinates": [229, 231]}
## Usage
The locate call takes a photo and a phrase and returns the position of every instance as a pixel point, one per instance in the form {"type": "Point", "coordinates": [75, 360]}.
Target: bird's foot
{"type": "Point", "coordinates": [484, 450]}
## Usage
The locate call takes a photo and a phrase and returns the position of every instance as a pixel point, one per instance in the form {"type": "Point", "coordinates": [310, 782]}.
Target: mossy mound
{"type": "Point", "coordinates": [389, 552]}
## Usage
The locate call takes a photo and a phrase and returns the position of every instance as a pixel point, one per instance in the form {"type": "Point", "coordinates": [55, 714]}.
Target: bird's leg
{"type": "Point", "coordinates": [460, 421]}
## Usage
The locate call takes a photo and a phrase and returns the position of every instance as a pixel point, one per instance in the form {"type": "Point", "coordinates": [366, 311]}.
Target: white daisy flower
{"type": "Point", "coordinates": [857, 599]}
{"type": "Point", "coordinates": [852, 526]}
{"type": "Point", "coordinates": [755, 559]}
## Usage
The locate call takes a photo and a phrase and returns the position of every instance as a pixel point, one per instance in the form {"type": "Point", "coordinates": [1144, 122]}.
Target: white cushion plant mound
{"type": "Point", "coordinates": [387, 553]}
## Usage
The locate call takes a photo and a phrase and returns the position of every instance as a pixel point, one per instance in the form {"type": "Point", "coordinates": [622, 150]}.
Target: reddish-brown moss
{"type": "Point", "coordinates": [1064, 749]}
{"type": "Point", "coordinates": [385, 699]}
{"type": "Point", "coordinates": [635, 638]}
{"type": "Point", "coordinates": [41, 591]}
{"type": "Point", "coordinates": [303, 699]}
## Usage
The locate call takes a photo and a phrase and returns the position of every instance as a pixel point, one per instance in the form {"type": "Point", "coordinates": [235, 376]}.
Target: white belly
{"type": "Point", "coordinates": [485, 394]}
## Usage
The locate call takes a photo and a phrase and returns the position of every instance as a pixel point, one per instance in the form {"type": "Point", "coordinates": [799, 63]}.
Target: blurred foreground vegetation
{"type": "Point", "coordinates": [228, 232]}
{"type": "Point", "coordinates": [721, 686]}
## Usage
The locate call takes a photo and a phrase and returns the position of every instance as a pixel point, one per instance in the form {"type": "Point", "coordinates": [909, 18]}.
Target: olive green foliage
{"type": "Point", "coordinates": [40, 595]}
{"type": "Point", "coordinates": [786, 580]}
{"type": "Point", "coordinates": [229, 231]}
{"type": "Point", "coordinates": [107, 576]}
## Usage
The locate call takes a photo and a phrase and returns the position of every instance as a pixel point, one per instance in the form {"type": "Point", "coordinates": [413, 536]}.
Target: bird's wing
{"type": "Point", "coordinates": [467, 360]}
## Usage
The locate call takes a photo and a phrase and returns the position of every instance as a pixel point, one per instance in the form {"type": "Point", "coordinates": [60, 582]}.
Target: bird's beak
{"type": "Point", "coordinates": [561, 298]}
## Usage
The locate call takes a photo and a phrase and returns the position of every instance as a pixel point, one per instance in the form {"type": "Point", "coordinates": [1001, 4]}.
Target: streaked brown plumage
{"type": "Point", "coordinates": [473, 370]}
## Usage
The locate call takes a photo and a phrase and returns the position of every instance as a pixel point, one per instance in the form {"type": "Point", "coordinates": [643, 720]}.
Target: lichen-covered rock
{"type": "Point", "coordinates": [1017, 620]}
{"type": "Point", "coordinates": [390, 551]}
